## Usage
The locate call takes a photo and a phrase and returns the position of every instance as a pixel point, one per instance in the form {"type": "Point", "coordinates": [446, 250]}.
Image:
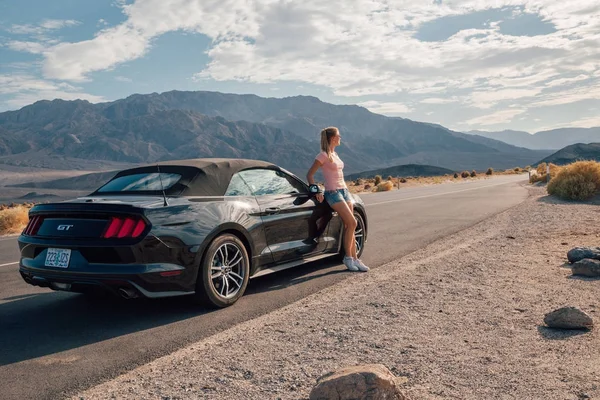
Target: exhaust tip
{"type": "Point", "coordinates": [128, 293]}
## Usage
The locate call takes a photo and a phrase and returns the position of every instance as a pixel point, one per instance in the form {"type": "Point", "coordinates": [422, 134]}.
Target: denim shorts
{"type": "Point", "coordinates": [335, 196]}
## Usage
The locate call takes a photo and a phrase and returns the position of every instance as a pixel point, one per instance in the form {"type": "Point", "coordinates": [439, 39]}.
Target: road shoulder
{"type": "Point", "coordinates": [462, 317]}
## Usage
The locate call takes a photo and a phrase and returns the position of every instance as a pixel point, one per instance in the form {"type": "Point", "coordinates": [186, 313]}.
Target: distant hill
{"type": "Point", "coordinates": [177, 125]}
{"type": "Point", "coordinates": [575, 152]}
{"type": "Point", "coordinates": [401, 171]}
{"type": "Point", "coordinates": [552, 139]}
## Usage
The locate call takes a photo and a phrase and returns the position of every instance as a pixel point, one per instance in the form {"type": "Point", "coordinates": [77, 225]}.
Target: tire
{"type": "Point", "coordinates": [359, 235]}
{"type": "Point", "coordinates": [223, 275]}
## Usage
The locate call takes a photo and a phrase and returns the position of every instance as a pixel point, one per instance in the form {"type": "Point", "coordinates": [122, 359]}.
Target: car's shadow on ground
{"type": "Point", "coordinates": [36, 325]}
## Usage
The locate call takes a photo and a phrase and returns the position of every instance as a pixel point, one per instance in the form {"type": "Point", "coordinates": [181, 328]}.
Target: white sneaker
{"type": "Point", "coordinates": [350, 264]}
{"type": "Point", "coordinates": [360, 266]}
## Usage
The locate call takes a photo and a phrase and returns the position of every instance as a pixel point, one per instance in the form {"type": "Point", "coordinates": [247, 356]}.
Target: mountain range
{"type": "Point", "coordinates": [178, 125]}
{"type": "Point", "coordinates": [551, 140]}
{"type": "Point", "coordinates": [575, 152]}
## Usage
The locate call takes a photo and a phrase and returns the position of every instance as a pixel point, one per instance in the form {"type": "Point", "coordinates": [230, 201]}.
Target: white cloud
{"type": "Point", "coordinates": [123, 79]}
{"type": "Point", "coordinates": [43, 27]}
{"type": "Point", "coordinates": [567, 81]}
{"type": "Point", "coordinates": [487, 99]}
{"type": "Point", "coordinates": [26, 89]}
{"type": "Point", "coordinates": [27, 47]}
{"type": "Point", "coordinates": [386, 108]}
{"type": "Point", "coordinates": [439, 100]}
{"type": "Point", "coordinates": [497, 118]}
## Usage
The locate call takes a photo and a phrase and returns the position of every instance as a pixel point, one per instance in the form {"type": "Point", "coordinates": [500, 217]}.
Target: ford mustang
{"type": "Point", "coordinates": [199, 227]}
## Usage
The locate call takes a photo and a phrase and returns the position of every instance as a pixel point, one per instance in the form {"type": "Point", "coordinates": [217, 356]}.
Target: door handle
{"type": "Point", "coordinates": [272, 210]}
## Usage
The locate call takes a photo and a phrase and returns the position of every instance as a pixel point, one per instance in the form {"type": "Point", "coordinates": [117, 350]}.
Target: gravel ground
{"type": "Point", "coordinates": [460, 318]}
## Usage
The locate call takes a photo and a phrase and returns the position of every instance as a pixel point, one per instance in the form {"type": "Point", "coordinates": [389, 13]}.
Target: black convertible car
{"type": "Point", "coordinates": [193, 227]}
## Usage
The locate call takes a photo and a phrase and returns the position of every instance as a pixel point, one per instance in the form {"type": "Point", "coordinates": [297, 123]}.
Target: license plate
{"type": "Point", "coordinates": [58, 258]}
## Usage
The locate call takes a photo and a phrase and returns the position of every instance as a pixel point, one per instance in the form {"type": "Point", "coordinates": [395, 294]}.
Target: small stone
{"type": "Point", "coordinates": [579, 253]}
{"type": "Point", "coordinates": [587, 267]}
{"type": "Point", "coordinates": [373, 381]}
{"type": "Point", "coordinates": [568, 318]}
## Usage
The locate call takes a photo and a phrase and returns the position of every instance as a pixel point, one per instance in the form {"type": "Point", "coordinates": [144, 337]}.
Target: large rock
{"type": "Point", "coordinates": [365, 382]}
{"type": "Point", "coordinates": [568, 318]}
{"type": "Point", "coordinates": [579, 253]}
{"type": "Point", "coordinates": [587, 267]}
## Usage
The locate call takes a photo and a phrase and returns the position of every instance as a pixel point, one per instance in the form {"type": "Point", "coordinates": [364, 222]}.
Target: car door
{"type": "Point", "coordinates": [295, 223]}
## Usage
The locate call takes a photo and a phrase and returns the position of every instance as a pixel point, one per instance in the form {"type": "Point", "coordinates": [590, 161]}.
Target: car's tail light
{"type": "Point", "coordinates": [33, 225]}
{"type": "Point", "coordinates": [124, 227]}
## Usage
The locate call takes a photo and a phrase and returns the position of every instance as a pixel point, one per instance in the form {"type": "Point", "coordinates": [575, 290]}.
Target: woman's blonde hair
{"type": "Point", "coordinates": [326, 135]}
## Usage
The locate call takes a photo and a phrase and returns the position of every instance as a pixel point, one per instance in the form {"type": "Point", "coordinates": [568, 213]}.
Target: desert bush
{"type": "Point", "coordinates": [367, 186]}
{"type": "Point", "coordinates": [473, 174]}
{"type": "Point", "coordinates": [358, 182]}
{"type": "Point", "coordinates": [385, 186]}
{"type": "Point", "coordinates": [465, 174]}
{"type": "Point", "coordinates": [517, 169]}
{"type": "Point", "coordinates": [577, 181]}
{"type": "Point", "coordinates": [490, 171]}
{"type": "Point", "coordinates": [13, 219]}
{"type": "Point", "coordinates": [390, 178]}
{"type": "Point", "coordinates": [541, 168]}
{"type": "Point", "coordinates": [377, 179]}
{"type": "Point", "coordinates": [455, 175]}
{"type": "Point", "coordinates": [402, 180]}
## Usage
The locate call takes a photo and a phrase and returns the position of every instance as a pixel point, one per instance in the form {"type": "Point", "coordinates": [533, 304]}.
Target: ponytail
{"type": "Point", "coordinates": [326, 135]}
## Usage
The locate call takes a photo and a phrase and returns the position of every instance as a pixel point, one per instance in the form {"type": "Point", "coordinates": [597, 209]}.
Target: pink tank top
{"type": "Point", "coordinates": [332, 171]}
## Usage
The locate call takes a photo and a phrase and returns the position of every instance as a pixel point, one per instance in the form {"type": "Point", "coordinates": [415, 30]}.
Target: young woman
{"type": "Point", "coordinates": [336, 192]}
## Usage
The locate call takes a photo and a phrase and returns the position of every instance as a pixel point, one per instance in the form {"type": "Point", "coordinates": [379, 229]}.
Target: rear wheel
{"type": "Point", "coordinates": [223, 275]}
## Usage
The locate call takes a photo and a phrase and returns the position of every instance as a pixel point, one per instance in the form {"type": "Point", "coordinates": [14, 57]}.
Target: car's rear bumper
{"type": "Point", "coordinates": [126, 280]}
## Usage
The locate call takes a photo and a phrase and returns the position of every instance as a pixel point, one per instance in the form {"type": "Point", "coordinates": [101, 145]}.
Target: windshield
{"type": "Point", "coordinates": [146, 182]}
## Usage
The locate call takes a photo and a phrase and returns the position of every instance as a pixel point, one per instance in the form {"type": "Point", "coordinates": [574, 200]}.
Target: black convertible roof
{"type": "Point", "coordinates": [200, 176]}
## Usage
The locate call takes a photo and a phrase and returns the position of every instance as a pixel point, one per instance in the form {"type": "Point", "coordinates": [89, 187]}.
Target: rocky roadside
{"type": "Point", "coordinates": [460, 318]}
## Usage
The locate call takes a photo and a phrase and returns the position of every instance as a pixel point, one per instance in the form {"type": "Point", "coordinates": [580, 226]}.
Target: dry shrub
{"type": "Point", "coordinates": [473, 174]}
{"type": "Point", "coordinates": [390, 178]}
{"type": "Point", "coordinates": [465, 174]}
{"type": "Point", "coordinates": [13, 219]}
{"type": "Point", "coordinates": [540, 172]}
{"type": "Point", "coordinates": [402, 180]}
{"type": "Point", "coordinates": [455, 175]}
{"type": "Point", "coordinates": [385, 186]}
{"type": "Point", "coordinates": [577, 181]}
{"type": "Point", "coordinates": [490, 171]}
{"type": "Point", "coordinates": [377, 179]}
{"type": "Point", "coordinates": [367, 186]}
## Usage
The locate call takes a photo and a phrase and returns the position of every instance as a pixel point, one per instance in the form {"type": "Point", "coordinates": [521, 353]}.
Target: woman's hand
{"type": "Point", "coordinates": [319, 197]}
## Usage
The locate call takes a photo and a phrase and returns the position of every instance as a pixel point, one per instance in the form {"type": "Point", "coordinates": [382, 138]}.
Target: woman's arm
{"type": "Point", "coordinates": [311, 172]}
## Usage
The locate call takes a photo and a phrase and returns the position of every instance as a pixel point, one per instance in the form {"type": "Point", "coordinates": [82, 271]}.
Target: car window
{"type": "Point", "coordinates": [151, 181]}
{"type": "Point", "coordinates": [267, 181]}
{"type": "Point", "coordinates": [237, 187]}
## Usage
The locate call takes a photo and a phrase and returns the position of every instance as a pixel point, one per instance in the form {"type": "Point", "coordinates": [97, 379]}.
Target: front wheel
{"type": "Point", "coordinates": [223, 275]}
{"type": "Point", "coordinates": [360, 234]}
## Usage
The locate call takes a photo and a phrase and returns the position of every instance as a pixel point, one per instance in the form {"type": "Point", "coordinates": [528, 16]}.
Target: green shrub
{"type": "Point", "coordinates": [577, 181]}
{"type": "Point", "coordinates": [489, 171]}
{"type": "Point", "coordinates": [377, 179]}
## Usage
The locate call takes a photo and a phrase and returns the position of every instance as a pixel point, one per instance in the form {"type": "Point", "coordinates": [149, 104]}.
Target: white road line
{"type": "Point", "coordinates": [437, 194]}
{"type": "Point", "coordinates": [6, 265]}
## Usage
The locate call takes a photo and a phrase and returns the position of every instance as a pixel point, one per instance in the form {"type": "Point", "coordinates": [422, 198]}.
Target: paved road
{"type": "Point", "coordinates": [54, 343]}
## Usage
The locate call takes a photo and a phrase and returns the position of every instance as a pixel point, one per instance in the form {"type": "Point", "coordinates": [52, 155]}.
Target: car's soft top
{"type": "Point", "coordinates": [199, 177]}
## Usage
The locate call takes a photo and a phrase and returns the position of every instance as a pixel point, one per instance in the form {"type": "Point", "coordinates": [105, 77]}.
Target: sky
{"type": "Point", "coordinates": [489, 65]}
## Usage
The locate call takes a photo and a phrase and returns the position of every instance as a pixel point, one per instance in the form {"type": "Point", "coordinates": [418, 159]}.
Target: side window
{"type": "Point", "coordinates": [267, 181]}
{"type": "Point", "coordinates": [237, 187]}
